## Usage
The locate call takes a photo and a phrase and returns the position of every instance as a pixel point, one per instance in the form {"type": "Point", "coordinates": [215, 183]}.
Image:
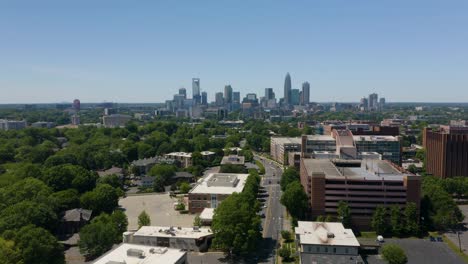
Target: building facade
{"type": "Point", "coordinates": [363, 184]}
{"type": "Point", "coordinates": [446, 151]}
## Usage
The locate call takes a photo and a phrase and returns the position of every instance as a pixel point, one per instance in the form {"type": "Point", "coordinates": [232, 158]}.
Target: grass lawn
{"type": "Point", "coordinates": [371, 234]}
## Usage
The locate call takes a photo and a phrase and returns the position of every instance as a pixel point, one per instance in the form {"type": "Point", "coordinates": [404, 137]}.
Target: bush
{"type": "Point", "coordinates": [180, 207]}
{"type": "Point", "coordinates": [286, 235]}
{"type": "Point", "coordinates": [285, 253]}
{"type": "Point", "coordinates": [393, 254]}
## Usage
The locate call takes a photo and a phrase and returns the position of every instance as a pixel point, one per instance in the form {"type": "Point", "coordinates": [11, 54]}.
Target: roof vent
{"type": "Point", "coordinates": [330, 235]}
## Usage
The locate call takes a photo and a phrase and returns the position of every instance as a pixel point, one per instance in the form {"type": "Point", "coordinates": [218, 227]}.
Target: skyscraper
{"type": "Point", "coordinates": [76, 105]}
{"type": "Point", "coordinates": [219, 99]}
{"type": "Point", "coordinates": [196, 90]}
{"type": "Point", "coordinates": [204, 98]}
{"type": "Point", "coordinates": [295, 97]}
{"type": "Point", "coordinates": [373, 101]}
{"type": "Point", "coordinates": [287, 89]}
{"type": "Point", "coordinates": [227, 94]}
{"type": "Point", "coordinates": [183, 92]}
{"type": "Point", "coordinates": [236, 97]}
{"type": "Point", "coordinates": [269, 94]}
{"type": "Point", "coordinates": [305, 98]}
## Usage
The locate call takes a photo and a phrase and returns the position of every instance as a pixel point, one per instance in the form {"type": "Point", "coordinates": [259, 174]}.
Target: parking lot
{"type": "Point", "coordinates": [160, 208]}
{"type": "Point", "coordinates": [421, 251]}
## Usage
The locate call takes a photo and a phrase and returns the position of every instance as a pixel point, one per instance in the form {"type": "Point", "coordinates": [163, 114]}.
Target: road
{"type": "Point", "coordinates": [272, 224]}
{"type": "Point", "coordinates": [274, 211]}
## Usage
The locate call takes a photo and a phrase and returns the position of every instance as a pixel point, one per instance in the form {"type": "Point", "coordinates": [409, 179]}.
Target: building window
{"type": "Point", "coordinates": [334, 250]}
{"type": "Point", "coordinates": [346, 250]}
{"type": "Point", "coordinates": [326, 249]}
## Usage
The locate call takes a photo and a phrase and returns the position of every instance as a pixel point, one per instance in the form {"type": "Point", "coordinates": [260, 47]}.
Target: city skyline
{"type": "Point", "coordinates": [410, 51]}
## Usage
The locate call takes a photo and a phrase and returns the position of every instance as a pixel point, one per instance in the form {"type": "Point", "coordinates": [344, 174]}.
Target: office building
{"type": "Point", "coordinates": [227, 94]}
{"type": "Point", "coordinates": [295, 97]}
{"type": "Point", "coordinates": [287, 90]}
{"type": "Point", "coordinates": [115, 120]}
{"type": "Point", "coordinates": [185, 159]}
{"type": "Point", "coordinates": [196, 90]}
{"type": "Point", "coordinates": [326, 242]}
{"type": "Point", "coordinates": [185, 238]}
{"type": "Point", "coordinates": [75, 120]}
{"type": "Point", "coordinates": [236, 97]}
{"type": "Point", "coordinates": [373, 101]}
{"type": "Point", "coordinates": [12, 124]}
{"type": "Point", "coordinates": [363, 184]}
{"type": "Point", "coordinates": [204, 98]}
{"type": "Point", "coordinates": [446, 151]}
{"type": "Point", "coordinates": [305, 98]}
{"type": "Point", "coordinates": [269, 94]}
{"type": "Point", "coordinates": [76, 105]}
{"type": "Point", "coordinates": [213, 189]}
{"type": "Point", "coordinates": [183, 92]}
{"type": "Point", "coordinates": [43, 124]}
{"type": "Point", "coordinates": [382, 103]}
{"type": "Point", "coordinates": [219, 100]}
{"type": "Point", "coordinates": [138, 254]}
{"type": "Point", "coordinates": [364, 103]}
{"type": "Point", "coordinates": [280, 147]}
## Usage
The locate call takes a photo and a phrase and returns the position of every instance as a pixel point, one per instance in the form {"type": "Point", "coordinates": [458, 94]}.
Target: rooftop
{"type": "Point", "coordinates": [77, 215]}
{"type": "Point", "coordinates": [179, 154]}
{"type": "Point", "coordinates": [221, 183]}
{"type": "Point", "coordinates": [233, 159]}
{"type": "Point", "coordinates": [325, 233]}
{"type": "Point", "coordinates": [320, 138]}
{"type": "Point", "coordinates": [286, 140]}
{"type": "Point", "coordinates": [375, 138]}
{"type": "Point", "coordinates": [139, 254]}
{"type": "Point", "coordinates": [181, 232]}
{"type": "Point", "coordinates": [207, 214]}
{"type": "Point", "coordinates": [370, 169]}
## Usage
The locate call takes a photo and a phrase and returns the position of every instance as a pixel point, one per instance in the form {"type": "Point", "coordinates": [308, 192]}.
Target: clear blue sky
{"type": "Point", "coordinates": [143, 51]}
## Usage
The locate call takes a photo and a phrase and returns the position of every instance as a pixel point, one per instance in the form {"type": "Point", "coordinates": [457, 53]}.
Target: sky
{"type": "Point", "coordinates": [144, 51]}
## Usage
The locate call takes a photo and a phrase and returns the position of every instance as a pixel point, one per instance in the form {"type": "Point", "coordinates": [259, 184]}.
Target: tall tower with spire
{"type": "Point", "coordinates": [287, 89]}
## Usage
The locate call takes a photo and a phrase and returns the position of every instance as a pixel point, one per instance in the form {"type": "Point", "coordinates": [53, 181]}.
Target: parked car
{"type": "Point", "coordinates": [439, 239]}
{"type": "Point", "coordinates": [432, 239]}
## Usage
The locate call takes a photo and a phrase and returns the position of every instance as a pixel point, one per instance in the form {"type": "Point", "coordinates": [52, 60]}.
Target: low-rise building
{"type": "Point", "coordinates": [186, 238]}
{"type": "Point", "coordinates": [143, 166]}
{"type": "Point", "coordinates": [137, 254]}
{"type": "Point", "coordinates": [115, 120]}
{"type": "Point", "coordinates": [363, 184]}
{"type": "Point", "coordinates": [326, 242]}
{"type": "Point", "coordinates": [12, 124]}
{"type": "Point", "coordinates": [43, 124]}
{"type": "Point", "coordinates": [184, 158]}
{"type": "Point", "coordinates": [233, 160]}
{"type": "Point", "coordinates": [206, 216]}
{"type": "Point", "coordinates": [213, 189]}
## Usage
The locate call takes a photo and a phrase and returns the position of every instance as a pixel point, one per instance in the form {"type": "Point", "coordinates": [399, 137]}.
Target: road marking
{"type": "Point", "coordinates": [267, 216]}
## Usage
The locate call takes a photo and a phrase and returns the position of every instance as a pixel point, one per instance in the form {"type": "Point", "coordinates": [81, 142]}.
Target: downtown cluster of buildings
{"type": "Point", "coordinates": [229, 100]}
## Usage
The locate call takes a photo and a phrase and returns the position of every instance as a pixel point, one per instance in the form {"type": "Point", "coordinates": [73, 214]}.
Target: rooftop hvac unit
{"type": "Point", "coordinates": [330, 235]}
{"type": "Point", "coordinates": [158, 250]}
{"type": "Point", "coordinates": [133, 252]}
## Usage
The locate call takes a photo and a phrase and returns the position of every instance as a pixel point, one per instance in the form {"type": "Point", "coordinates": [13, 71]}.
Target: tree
{"type": "Point", "coordinates": [68, 176]}
{"type": "Point", "coordinates": [25, 213]}
{"type": "Point", "coordinates": [37, 245]}
{"type": "Point", "coordinates": [143, 219]}
{"type": "Point", "coordinates": [379, 220]}
{"type": "Point", "coordinates": [9, 253]}
{"type": "Point", "coordinates": [29, 189]}
{"type": "Point", "coordinates": [236, 225]}
{"type": "Point", "coordinates": [197, 221]}
{"type": "Point", "coordinates": [289, 175]}
{"type": "Point", "coordinates": [295, 199]}
{"type": "Point", "coordinates": [286, 235]}
{"type": "Point", "coordinates": [113, 180]}
{"type": "Point", "coordinates": [285, 253]}
{"type": "Point", "coordinates": [393, 254]}
{"type": "Point", "coordinates": [344, 213]}
{"type": "Point", "coordinates": [97, 237]}
{"type": "Point", "coordinates": [184, 187]}
{"type": "Point", "coordinates": [120, 221]}
{"type": "Point", "coordinates": [65, 200]}
{"type": "Point", "coordinates": [103, 198]}
{"type": "Point", "coordinates": [396, 223]}
{"type": "Point", "coordinates": [411, 219]}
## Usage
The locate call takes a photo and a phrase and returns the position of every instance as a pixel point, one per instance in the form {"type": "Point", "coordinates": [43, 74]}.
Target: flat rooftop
{"type": "Point", "coordinates": [139, 254]}
{"type": "Point", "coordinates": [375, 138]}
{"type": "Point", "coordinates": [366, 169]}
{"type": "Point", "coordinates": [220, 183]}
{"type": "Point", "coordinates": [233, 159]}
{"type": "Point", "coordinates": [207, 214]}
{"type": "Point", "coordinates": [286, 140]}
{"type": "Point", "coordinates": [320, 138]}
{"type": "Point", "coordinates": [179, 154]}
{"type": "Point", "coordinates": [166, 231]}
{"type": "Point", "coordinates": [325, 233]}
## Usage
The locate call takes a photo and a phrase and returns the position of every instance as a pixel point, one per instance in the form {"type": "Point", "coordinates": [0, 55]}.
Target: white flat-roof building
{"type": "Point", "coordinates": [206, 216]}
{"type": "Point", "coordinates": [184, 158]}
{"type": "Point", "coordinates": [326, 241]}
{"type": "Point", "coordinates": [212, 189]}
{"type": "Point", "coordinates": [139, 254]}
{"type": "Point", "coordinates": [187, 238]}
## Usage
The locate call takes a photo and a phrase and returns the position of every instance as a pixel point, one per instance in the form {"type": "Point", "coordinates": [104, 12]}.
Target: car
{"type": "Point", "coordinates": [269, 182]}
{"type": "Point", "coordinates": [262, 215]}
{"type": "Point", "coordinates": [439, 239]}
{"type": "Point", "coordinates": [265, 206]}
{"type": "Point", "coordinates": [432, 239]}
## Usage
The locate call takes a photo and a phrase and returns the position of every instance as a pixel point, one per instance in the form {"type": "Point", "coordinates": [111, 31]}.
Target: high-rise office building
{"type": "Point", "coordinates": [446, 151]}
{"type": "Point", "coordinates": [219, 99]}
{"type": "Point", "coordinates": [305, 98]}
{"type": "Point", "coordinates": [295, 97]}
{"type": "Point", "coordinates": [204, 98]}
{"type": "Point", "coordinates": [382, 103]}
{"type": "Point", "coordinates": [269, 94]}
{"type": "Point", "coordinates": [76, 105]}
{"type": "Point", "coordinates": [183, 92]}
{"type": "Point", "coordinates": [287, 89]}
{"type": "Point", "coordinates": [196, 90]}
{"type": "Point", "coordinates": [373, 101]}
{"type": "Point", "coordinates": [227, 94]}
{"type": "Point", "coordinates": [236, 97]}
